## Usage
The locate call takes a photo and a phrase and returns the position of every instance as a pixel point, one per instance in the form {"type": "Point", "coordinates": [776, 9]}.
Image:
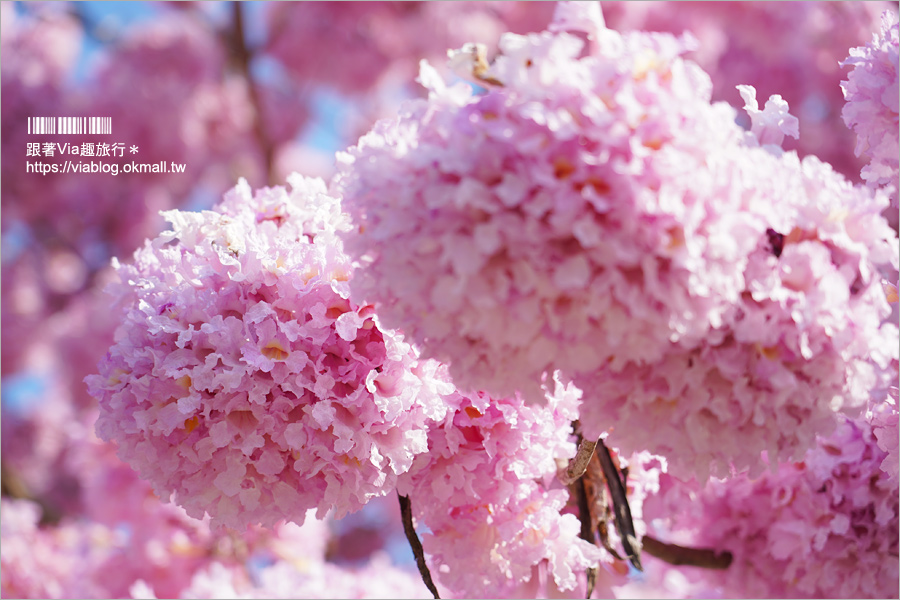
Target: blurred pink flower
{"type": "Point", "coordinates": [352, 45]}
{"type": "Point", "coordinates": [307, 579]}
{"type": "Point", "coordinates": [873, 104]}
{"type": "Point", "coordinates": [42, 562]}
{"type": "Point", "coordinates": [790, 48]}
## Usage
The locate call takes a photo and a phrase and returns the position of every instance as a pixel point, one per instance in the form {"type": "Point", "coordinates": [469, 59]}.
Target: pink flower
{"type": "Point", "coordinates": [807, 339]}
{"type": "Point", "coordinates": [884, 421]}
{"type": "Point", "coordinates": [792, 49]}
{"type": "Point", "coordinates": [826, 527]}
{"type": "Point", "coordinates": [576, 214]}
{"type": "Point", "coordinates": [41, 562]}
{"type": "Point", "coordinates": [486, 492]}
{"type": "Point", "coordinates": [770, 125]}
{"type": "Point", "coordinates": [873, 104]}
{"type": "Point", "coordinates": [246, 380]}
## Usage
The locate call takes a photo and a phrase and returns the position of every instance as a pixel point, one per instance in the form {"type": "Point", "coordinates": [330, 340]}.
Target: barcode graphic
{"type": "Point", "coordinates": [70, 125]}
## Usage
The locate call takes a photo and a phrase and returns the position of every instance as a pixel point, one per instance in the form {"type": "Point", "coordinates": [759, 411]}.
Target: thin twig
{"type": "Point", "coordinates": [624, 521]}
{"type": "Point", "coordinates": [242, 54]}
{"type": "Point", "coordinates": [674, 554]}
{"type": "Point", "coordinates": [415, 544]}
{"type": "Point", "coordinates": [579, 464]}
{"type": "Point", "coordinates": [599, 502]}
{"type": "Point", "coordinates": [587, 531]}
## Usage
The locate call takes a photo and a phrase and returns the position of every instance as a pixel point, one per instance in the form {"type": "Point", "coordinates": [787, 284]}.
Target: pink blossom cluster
{"type": "Point", "coordinates": [873, 104]}
{"type": "Point", "coordinates": [575, 215]}
{"type": "Point", "coordinates": [487, 494]}
{"type": "Point", "coordinates": [808, 338]}
{"type": "Point", "coordinates": [245, 380]}
{"type": "Point", "coordinates": [583, 232]}
{"type": "Point", "coordinates": [824, 527]}
{"type": "Point", "coordinates": [886, 429]}
{"type": "Point", "coordinates": [595, 213]}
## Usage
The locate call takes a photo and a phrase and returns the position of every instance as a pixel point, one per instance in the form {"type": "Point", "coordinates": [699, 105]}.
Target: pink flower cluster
{"type": "Point", "coordinates": [873, 106]}
{"type": "Point", "coordinates": [486, 491]}
{"type": "Point", "coordinates": [245, 380]}
{"type": "Point", "coordinates": [585, 234]}
{"type": "Point", "coordinates": [808, 338]}
{"type": "Point", "coordinates": [826, 527]}
{"type": "Point", "coordinates": [886, 429]}
{"type": "Point", "coordinates": [574, 215]}
{"type": "Point", "coordinates": [594, 213]}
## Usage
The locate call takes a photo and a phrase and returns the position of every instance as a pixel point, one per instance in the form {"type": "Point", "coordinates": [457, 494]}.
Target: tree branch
{"type": "Point", "coordinates": [674, 554]}
{"type": "Point", "coordinates": [415, 544]}
{"type": "Point", "coordinates": [579, 464]}
{"type": "Point", "coordinates": [242, 55]}
{"type": "Point", "coordinates": [587, 531]}
{"type": "Point", "coordinates": [624, 521]}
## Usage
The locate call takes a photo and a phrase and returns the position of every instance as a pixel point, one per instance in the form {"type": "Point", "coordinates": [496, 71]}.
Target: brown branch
{"type": "Point", "coordinates": [242, 55]}
{"type": "Point", "coordinates": [579, 464]}
{"type": "Point", "coordinates": [624, 521]}
{"type": "Point", "coordinates": [415, 544]}
{"type": "Point", "coordinates": [587, 531]}
{"type": "Point", "coordinates": [674, 554]}
{"type": "Point", "coordinates": [599, 502]}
